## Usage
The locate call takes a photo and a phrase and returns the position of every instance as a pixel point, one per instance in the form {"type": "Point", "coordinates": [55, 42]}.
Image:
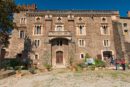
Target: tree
{"type": "Point", "coordinates": [7, 9]}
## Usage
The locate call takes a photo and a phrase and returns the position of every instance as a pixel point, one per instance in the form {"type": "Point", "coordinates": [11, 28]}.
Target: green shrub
{"type": "Point", "coordinates": [82, 65]}
{"type": "Point", "coordinates": [32, 70]}
{"type": "Point", "coordinates": [92, 67]}
{"type": "Point", "coordinates": [99, 63]}
{"type": "Point", "coordinates": [48, 66]}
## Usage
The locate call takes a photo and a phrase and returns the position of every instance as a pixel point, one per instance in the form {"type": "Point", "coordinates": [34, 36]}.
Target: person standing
{"type": "Point", "coordinates": [123, 63]}
{"type": "Point", "coordinates": [116, 63]}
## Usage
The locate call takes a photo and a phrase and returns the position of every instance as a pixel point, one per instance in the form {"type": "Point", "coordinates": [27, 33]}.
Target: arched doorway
{"type": "Point", "coordinates": [59, 57]}
{"type": "Point", "coordinates": [107, 54]}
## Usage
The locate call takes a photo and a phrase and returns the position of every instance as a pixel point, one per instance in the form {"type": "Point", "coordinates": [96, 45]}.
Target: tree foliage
{"type": "Point", "coordinates": [7, 9]}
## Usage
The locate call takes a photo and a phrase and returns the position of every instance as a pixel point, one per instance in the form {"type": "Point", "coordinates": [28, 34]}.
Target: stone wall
{"type": "Point", "coordinates": [91, 20]}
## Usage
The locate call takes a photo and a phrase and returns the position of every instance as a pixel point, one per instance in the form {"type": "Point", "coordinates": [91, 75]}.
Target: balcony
{"type": "Point", "coordinates": [59, 34]}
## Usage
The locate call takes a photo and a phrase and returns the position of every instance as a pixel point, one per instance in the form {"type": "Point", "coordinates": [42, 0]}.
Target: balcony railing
{"type": "Point", "coordinates": [59, 34]}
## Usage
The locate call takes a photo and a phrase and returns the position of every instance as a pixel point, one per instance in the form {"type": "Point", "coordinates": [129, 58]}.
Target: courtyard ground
{"type": "Point", "coordinates": [66, 78]}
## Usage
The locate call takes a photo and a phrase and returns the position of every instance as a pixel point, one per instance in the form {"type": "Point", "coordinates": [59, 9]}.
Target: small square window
{"type": "Point", "coordinates": [125, 24]}
{"type": "Point", "coordinates": [126, 32]}
{"type": "Point", "coordinates": [36, 56]}
{"type": "Point", "coordinates": [82, 55]}
{"type": "Point", "coordinates": [103, 19]}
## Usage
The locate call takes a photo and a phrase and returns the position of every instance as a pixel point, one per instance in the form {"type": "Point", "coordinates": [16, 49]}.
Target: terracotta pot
{"type": "Point", "coordinates": [18, 75]}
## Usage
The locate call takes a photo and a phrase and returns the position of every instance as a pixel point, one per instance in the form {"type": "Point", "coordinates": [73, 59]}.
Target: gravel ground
{"type": "Point", "coordinates": [64, 78]}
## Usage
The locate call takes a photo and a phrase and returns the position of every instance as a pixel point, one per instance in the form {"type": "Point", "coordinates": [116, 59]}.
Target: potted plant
{"type": "Point", "coordinates": [32, 70]}
{"type": "Point", "coordinates": [18, 71]}
{"type": "Point", "coordinates": [48, 67]}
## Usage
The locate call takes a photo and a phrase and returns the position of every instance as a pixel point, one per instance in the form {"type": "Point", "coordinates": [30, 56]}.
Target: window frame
{"type": "Point", "coordinates": [56, 29]}
{"type": "Point", "coordinates": [102, 30]}
{"type": "Point", "coordinates": [81, 55]}
{"type": "Point", "coordinates": [107, 44]}
{"type": "Point", "coordinates": [36, 34]}
{"type": "Point", "coordinates": [23, 36]}
{"type": "Point", "coordinates": [105, 20]}
{"type": "Point", "coordinates": [81, 42]}
{"type": "Point", "coordinates": [35, 43]}
{"type": "Point", "coordinates": [21, 20]}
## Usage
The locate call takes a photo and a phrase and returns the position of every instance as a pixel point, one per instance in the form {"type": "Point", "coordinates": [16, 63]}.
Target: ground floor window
{"type": "Point", "coordinates": [82, 55]}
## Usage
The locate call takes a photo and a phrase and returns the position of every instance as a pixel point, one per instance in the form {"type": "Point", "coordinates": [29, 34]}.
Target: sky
{"type": "Point", "coordinates": [122, 5]}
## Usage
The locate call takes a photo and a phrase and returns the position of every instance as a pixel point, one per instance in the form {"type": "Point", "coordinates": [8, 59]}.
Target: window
{"type": "Point", "coordinates": [36, 56]}
{"type": "Point", "coordinates": [59, 42]}
{"type": "Point", "coordinates": [125, 24]}
{"type": "Point", "coordinates": [82, 55]}
{"type": "Point", "coordinates": [81, 29]}
{"type": "Point", "coordinates": [106, 43]}
{"type": "Point", "coordinates": [81, 43]}
{"type": "Point", "coordinates": [59, 28]}
{"type": "Point", "coordinates": [104, 30]}
{"type": "Point", "coordinates": [103, 19]}
{"type": "Point", "coordinates": [126, 32]}
{"type": "Point", "coordinates": [21, 34]}
{"type": "Point", "coordinates": [23, 21]}
{"type": "Point", "coordinates": [70, 17]}
{"type": "Point", "coordinates": [37, 43]}
{"type": "Point", "coordinates": [37, 30]}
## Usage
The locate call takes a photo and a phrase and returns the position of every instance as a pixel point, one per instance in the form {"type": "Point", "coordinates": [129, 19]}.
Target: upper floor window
{"type": "Point", "coordinates": [23, 20]}
{"type": "Point", "coordinates": [125, 31]}
{"type": "Point", "coordinates": [48, 17]}
{"type": "Point", "coordinates": [81, 43]}
{"type": "Point", "coordinates": [106, 43]}
{"type": "Point", "coordinates": [125, 24]}
{"type": "Point", "coordinates": [37, 43]}
{"type": "Point", "coordinates": [59, 28]}
{"type": "Point", "coordinates": [105, 30]}
{"type": "Point", "coordinates": [81, 30]}
{"type": "Point", "coordinates": [70, 17]}
{"type": "Point", "coordinates": [37, 30]}
{"type": "Point", "coordinates": [103, 19]}
{"type": "Point", "coordinates": [21, 34]}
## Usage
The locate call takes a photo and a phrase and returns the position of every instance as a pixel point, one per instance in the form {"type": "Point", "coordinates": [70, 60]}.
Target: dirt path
{"type": "Point", "coordinates": [69, 79]}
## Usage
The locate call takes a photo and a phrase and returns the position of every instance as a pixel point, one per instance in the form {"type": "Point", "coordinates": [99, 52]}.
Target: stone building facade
{"type": "Point", "coordinates": [59, 37]}
{"type": "Point", "coordinates": [125, 26]}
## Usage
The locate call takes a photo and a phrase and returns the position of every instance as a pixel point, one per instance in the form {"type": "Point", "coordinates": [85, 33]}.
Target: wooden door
{"type": "Point", "coordinates": [59, 57]}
